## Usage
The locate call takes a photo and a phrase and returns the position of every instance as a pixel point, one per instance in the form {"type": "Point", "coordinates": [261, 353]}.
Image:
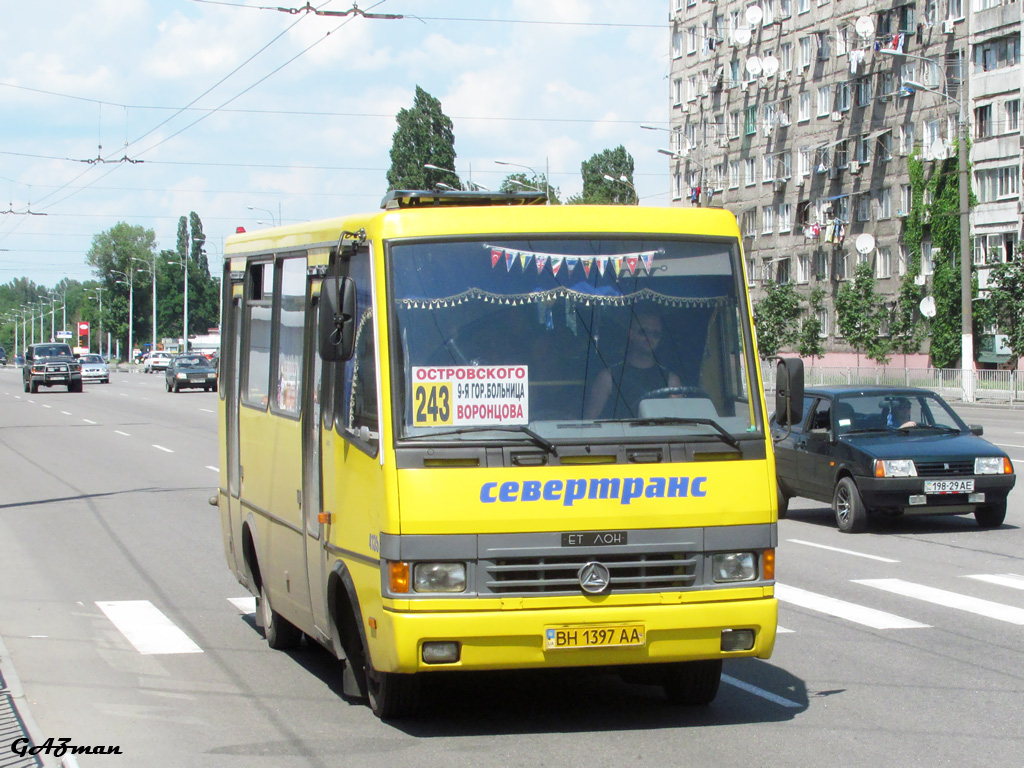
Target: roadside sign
{"type": "Point", "coordinates": [83, 327]}
{"type": "Point", "coordinates": [64, 334]}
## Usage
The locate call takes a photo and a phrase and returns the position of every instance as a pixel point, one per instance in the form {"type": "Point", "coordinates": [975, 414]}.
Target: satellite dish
{"type": "Point", "coordinates": [865, 27]}
{"type": "Point", "coordinates": [741, 35]}
{"type": "Point", "coordinates": [938, 149]}
{"type": "Point", "coordinates": [865, 243]}
{"type": "Point", "coordinates": [769, 65]}
{"type": "Point", "coordinates": [754, 15]}
{"type": "Point", "coordinates": [754, 66]}
{"type": "Point", "coordinates": [927, 306]}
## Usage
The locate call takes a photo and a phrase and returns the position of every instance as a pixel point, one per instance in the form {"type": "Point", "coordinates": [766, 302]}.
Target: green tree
{"type": "Point", "coordinates": [112, 256]}
{"type": "Point", "coordinates": [1005, 303]}
{"type": "Point", "coordinates": [775, 318]}
{"type": "Point", "coordinates": [203, 288]}
{"type": "Point", "coordinates": [520, 182]}
{"type": "Point", "coordinates": [810, 343]}
{"type": "Point", "coordinates": [424, 136]}
{"type": "Point", "coordinates": [598, 190]}
{"type": "Point", "coordinates": [860, 313]}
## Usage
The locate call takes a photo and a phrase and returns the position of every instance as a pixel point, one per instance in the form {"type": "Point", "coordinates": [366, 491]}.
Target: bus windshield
{"type": "Point", "coordinates": [588, 338]}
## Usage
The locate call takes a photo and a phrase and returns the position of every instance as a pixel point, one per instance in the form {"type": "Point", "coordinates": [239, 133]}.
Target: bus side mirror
{"type": "Point", "coordinates": [336, 324]}
{"type": "Point", "coordinates": [789, 391]}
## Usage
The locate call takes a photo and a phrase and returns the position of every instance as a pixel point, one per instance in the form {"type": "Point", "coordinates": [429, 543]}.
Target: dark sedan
{"type": "Point", "coordinates": [185, 371]}
{"type": "Point", "coordinates": [894, 451]}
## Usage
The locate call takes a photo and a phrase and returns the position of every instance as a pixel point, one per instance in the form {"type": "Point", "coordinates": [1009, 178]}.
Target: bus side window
{"type": "Point", "coordinates": [257, 321]}
{"type": "Point", "coordinates": [355, 400]}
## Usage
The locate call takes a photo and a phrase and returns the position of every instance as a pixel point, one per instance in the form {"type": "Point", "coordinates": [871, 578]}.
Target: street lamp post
{"type": "Point", "coordinates": [130, 274]}
{"type": "Point", "coordinates": [183, 263]}
{"type": "Point", "coordinates": [99, 296]}
{"type": "Point", "coordinates": [273, 221]}
{"type": "Point", "coordinates": [623, 180]}
{"type": "Point", "coordinates": [472, 184]}
{"type": "Point", "coordinates": [966, 318]}
{"type": "Point", "coordinates": [152, 269]}
{"type": "Point", "coordinates": [547, 183]}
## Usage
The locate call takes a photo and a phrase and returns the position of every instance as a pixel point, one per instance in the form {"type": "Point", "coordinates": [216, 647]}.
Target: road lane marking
{"type": "Point", "coordinates": [87, 421]}
{"type": "Point", "coordinates": [1002, 579]}
{"type": "Point", "coordinates": [781, 630]}
{"type": "Point", "coordinates": [841, 609]}
{"type": "Point", "coordinates": [119, 432]}
{"type": "Point", "coordinates": [161, 448]}
{"type": "Point", "coordinates": [215, 469]}
{"type": "Point", "coordinates": [774, 698]}
{"type": "Point", "coordinates": [206, 410]}
{"type": "Point", "coordinates": [245, 605]}
{"type": "Point", "coordinates": [66, 413]}
{"type": "Point", "coordinates": [47, 406]}
{"type": "Point", "coordinates": [843, 551]}
{"type": "Point", "coordinates": [948, 599]}
{"type": "Point", "coordinates": [147, 628]}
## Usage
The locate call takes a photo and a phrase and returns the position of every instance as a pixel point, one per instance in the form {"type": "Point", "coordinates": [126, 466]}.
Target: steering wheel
{"type": "Point", "coordinates": [656, 394]}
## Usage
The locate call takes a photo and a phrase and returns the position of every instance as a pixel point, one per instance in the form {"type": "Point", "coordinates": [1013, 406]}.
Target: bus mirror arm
{"type": "Point", "coordinates": [336, 324]}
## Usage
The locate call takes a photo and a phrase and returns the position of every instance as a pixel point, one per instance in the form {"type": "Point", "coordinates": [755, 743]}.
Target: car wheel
{"type": "Point", "coordinates": [392, 696]}
{"type": "Point", "coordinates": [992, 515]}
{"type": "Point", "coordinates": [783, 501]}
{"type": "Point", "coordinates": [692, 683]}
{"type": "Point", "coordinates": [281, 634]}
{"type": "Point", "coordinates": [851, 517]}
{"type": "Point", "coordinates": [34, 387]}
{"type": "Point", "coordinates": [27, 388]}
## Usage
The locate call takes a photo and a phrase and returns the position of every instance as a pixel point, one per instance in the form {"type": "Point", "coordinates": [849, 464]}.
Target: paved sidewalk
{"type": "Point", "coordinates": [16, 721]}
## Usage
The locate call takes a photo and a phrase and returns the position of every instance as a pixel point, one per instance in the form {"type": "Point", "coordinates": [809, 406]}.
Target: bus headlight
{"type": "Point", "coordinates": [439, 577]}
{"type": "Point", "coordinates": [734, 566]}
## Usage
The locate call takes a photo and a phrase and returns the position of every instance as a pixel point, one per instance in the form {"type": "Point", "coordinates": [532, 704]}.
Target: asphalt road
{"type": "Point", "coordinates": [901, 646]}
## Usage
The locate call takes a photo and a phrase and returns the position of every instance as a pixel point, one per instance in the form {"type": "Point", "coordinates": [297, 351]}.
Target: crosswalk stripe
{"type": "Point", "coordinates": [768, 695]}
{"type": "Point", "coordinates": [781, 630]}
{"type": "Point", "coordinates": [948, 599]}
{"type": "Point", "coordinates": [245, 605]}
{"type": "Point", "coordinates": [147, 628]}
{"type": "Point", "coordinates": [1001, 579]}
{"type": "Point", "coordinates": [841, 609]}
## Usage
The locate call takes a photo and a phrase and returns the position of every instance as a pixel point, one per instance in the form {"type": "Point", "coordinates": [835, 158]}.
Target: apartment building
{"type": "Point", "coordinates": [799, 116]}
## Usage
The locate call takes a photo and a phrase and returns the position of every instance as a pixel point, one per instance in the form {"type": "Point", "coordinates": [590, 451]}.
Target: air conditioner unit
{"type": "Point", "coordinates": [854, 166]}
{"type": "Point", "coordinates": [837, 117]}
{"type": "Point", "coordinates": [784, 120]}
{"type": "Point", "coordinates": [948, 26]}
{"type": "Point", "coordinates": [919, 280]}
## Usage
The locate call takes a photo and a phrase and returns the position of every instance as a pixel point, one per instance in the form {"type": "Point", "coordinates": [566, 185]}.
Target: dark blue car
{"type": "Point", "coordinates": [892, 451]}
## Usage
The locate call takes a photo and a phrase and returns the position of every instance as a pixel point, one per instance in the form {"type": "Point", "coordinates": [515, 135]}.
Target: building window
{"type": "Point", "coordinates": [1012, 111]}
{"type": "Point", "coordinates": [806, 54]}
{"type": "Point", "coordinates": [904, 259]}
{"type": "Point", "coordinates": [734, 123]}
{"type": "Point", "coordinates": [785, 217]}
{"type": "Point", "coordinates": [883, 261]}
{"type": "Point", "coordinates": [804, 161]}
{"type": "Point", "coordinates": [906, 138]}
{"type": "Point", "coordinates": [782, 275]}
{"type": "Point", "coordinates": [750, 121]}
{"type": "Point", "coordinates": [750, 170]}
{"type": "Point", "coordinates": [804, 106]}
{"type": "Point", "coordinates": [786, 57]}
{"type": "Point", "coordinates": [785, 112]}
{"type": "Point", "coordinates": [691, 40]}
{"type": "Point", "coordinates": [785, 9]}
{"type": "Point", "coordinates": [750, 223]}
{"type": "Point", "coordinates": [843, 96]}
{"type": "Point", "coordinates": [998, 53]}
{"type": "Point", "coordinates": [824, 100]}
{"type": "Point", "coordinates": [824, 49]}
{"type": "Point", "coordinates": [927, 257]}
{"type": "Point", "coordinates": [883, 146]}
{"type": "Point", "coordinates": [802, 268]}
{"type": "Point", "coordinates": [822, 315]}
{"type": "Point", "coordinates": [767, 168]}
{"type": "Point", "coordinates": [677, 44]}
{"type": "Point", "coordinates": [906, 200]}
{"type": "Point", "coordinates": [768, 220]}
{"type": "Point", "coordinates": [734, 174]}
{"type": "Point", "coordinates": [803, 6]}
{"type": "Point", "coordinates": [863, 91]}
{"type": "Point", "coordinates": [841, 154]}
{"type": "Point", "coordinates": [864, 149]}
{"type": "Point", "coordinates": [908, 72]}
{"type": "Point", "coordinates": [983, 122]}
{"type": "Point", "coordinates": [885, 203]}
{"type": "Point", "coordinates": [821, 265]}
{"type": "Point", "coordinates": [691, 88]}
{"type": "Point", "coordinates": [841, 260]}
{"type": "Point", "coordinates": [785, 167]}
{"type": "Point", "coordinates": [677, 186]}
{"type": "Point", "coordinates": [864, 207]}
{"type": "Point", "coordinates": [998, 183]}
{"type": "Point", "coordinates": [677, 91]}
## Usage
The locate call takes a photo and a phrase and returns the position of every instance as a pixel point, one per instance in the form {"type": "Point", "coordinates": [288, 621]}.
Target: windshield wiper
{"type": "Point", "coordinates": [536, 439]}
{"type": "Point", "coordinates": [864, 430]}
{"type": "Point", "coordinates": [658, 421]}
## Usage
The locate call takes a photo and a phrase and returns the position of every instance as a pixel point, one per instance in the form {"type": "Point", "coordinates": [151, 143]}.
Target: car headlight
{"type": "Point", "coordinates": [181, 375]}
{"type": "Point", "coordinates": [992, 465]}
{"type": "Point", "coordinates": [734, 566]}
{"type": "Point", "coordinates": [439, 577]}
{"type": "Point", "coordinates": [895, 468]}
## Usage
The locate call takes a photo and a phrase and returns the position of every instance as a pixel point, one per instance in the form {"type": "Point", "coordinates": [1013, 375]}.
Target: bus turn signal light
{"type": "Point", "coordinates": [768, 564]}
{"type": "Point", "coordinates": [398, 577]}
{"type": "Point", "coordinates": [324, 517]}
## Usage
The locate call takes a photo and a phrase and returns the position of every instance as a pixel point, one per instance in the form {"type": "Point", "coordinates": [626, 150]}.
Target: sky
{"type": "Point", "coordinates": [144, 110]}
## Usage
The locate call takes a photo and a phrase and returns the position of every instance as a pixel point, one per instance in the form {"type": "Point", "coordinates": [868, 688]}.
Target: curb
{"type": "Point", "coordinates": [16, 720]}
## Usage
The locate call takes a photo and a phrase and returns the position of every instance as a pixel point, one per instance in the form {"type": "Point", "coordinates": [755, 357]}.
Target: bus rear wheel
{"type": "Point", "coordinates": [692, 683]}
{"type": "Point", "coordinates": [281, 634]}
{"type": "Point", "coordinates": [392, 696]}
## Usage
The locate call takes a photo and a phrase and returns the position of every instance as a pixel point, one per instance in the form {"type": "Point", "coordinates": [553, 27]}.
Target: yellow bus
{"type": "Point", "coordinates": [471, 431]}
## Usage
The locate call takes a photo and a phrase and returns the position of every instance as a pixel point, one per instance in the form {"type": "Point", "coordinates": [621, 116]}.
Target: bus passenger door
{"type": "Point", "coordinates": [312, 503]}
{"type": "Point", "coordinates": [228, 384]}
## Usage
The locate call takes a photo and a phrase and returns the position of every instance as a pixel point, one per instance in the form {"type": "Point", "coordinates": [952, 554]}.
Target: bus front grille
{"type": "Point", "coordinates": [655, 572]}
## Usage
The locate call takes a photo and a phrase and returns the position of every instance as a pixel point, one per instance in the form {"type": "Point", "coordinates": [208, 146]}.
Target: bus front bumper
{"type": "Point", "coordinates": [516, 639]}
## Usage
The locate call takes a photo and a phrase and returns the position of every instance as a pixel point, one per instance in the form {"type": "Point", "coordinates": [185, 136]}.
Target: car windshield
{"type": "Point", "coordinates": [592, 338]}
{"type": "Point", "coordinates": [194, 361]}
{"type": "Point", "coordinates": [52, 350]}
{"type": "Point", "coordinates": [91, 359]}
{"type": "Point", "coordinates": [894, 410]}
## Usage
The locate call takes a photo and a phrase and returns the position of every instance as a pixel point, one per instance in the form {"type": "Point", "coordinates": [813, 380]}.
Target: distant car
{"type": "Point", "coordinates": [892, 451]}
{"type": "Point", "coordinates": [3, 356]}
{"type": "Point", "coordinates": [190, 371]}
{"type": "Point", "coordinates": [94, 369]}
{"type": "Point", "coordinates": [50, 365]}
{"type": "Point", "coordinates": [157, 361]}
{"type": "Point", "coordinates": [19, 361]}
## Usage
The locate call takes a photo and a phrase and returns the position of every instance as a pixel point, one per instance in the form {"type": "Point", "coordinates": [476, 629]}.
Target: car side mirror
{"type": "Point", "coordinates": [976, 429]}
{"type": "Point", "coordinates": [336, 323]}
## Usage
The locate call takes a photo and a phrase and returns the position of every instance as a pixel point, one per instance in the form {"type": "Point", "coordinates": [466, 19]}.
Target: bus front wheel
{"type": "Point", "coordinates": [281, 634]}
{"type": "Point", "coordinates": [392, 696]}
{"type": "Point", "coordinates": [692, 683]}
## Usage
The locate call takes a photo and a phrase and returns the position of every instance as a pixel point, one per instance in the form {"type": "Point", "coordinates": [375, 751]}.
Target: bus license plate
{"type": "Point", "coordinates": [948, 486]}
{"type": "Point", "coordinates": [622, 635]}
